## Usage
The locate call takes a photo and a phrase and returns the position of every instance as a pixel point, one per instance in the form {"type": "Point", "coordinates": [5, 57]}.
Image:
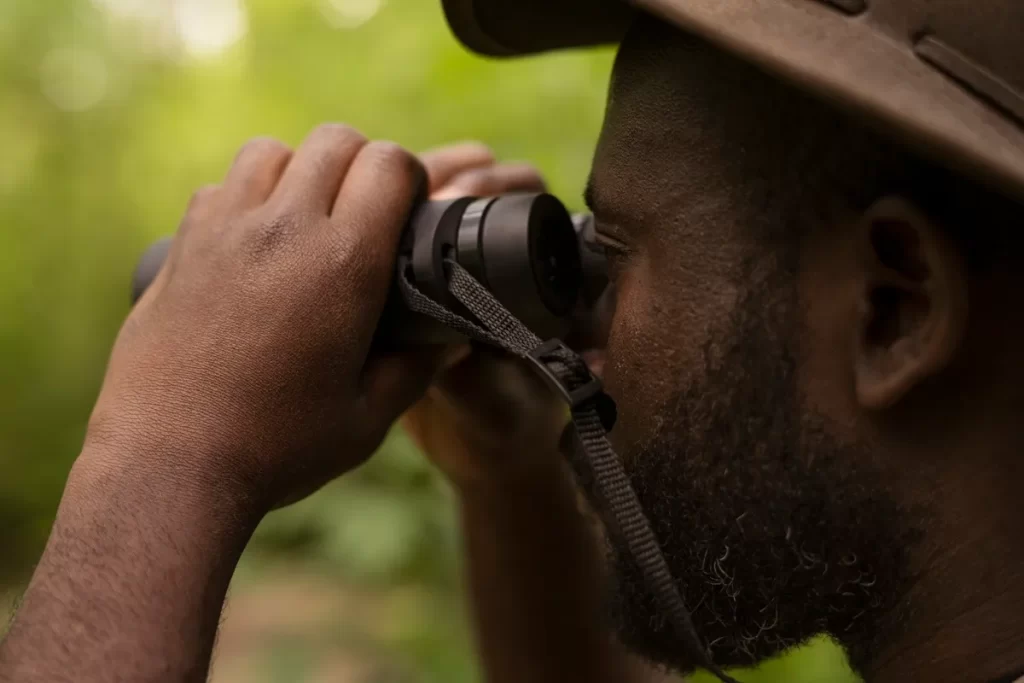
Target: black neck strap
{"type": "Point", "coordinates": [593, 414]}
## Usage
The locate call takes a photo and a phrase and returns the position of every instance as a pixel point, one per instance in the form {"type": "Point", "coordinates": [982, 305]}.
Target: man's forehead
{"type": "Point", "coordinates": [686, 120]}
{"type": "Point", "coordinates": [657, 142]}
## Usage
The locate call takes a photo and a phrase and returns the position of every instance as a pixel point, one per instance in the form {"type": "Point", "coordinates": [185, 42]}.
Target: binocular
{"type": "Point", "coordinates": [545, 266]}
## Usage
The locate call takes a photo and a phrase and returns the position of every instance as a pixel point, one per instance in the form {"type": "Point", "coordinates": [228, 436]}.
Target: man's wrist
{"type": "Point", "coordinates": [167, 485]}
{"type": "Point", "coordinates": [135, 571]}
{"type": "Point", "coordinates": [542, 484]}
{"type": "Point", "coordinates": [537, 476]}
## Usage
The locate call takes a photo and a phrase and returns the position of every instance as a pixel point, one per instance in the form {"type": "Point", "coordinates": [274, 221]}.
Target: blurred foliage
{"type": "Point", "coordinates": [108, 124]}
{"type": "Point", "coordinates": [113, 111]}
{"type": "Point", "coordinates": [389, 522]}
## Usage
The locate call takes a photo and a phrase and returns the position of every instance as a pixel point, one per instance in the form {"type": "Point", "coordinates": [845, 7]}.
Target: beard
{"type": "Point", "coordinates": [774, 528]}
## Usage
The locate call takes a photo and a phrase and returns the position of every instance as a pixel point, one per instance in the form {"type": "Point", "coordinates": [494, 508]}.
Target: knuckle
{"type": "Point", "coordinates": [478, 181]}
{"type": "Point", "coordinates": [198, 207]}
{"type": "Point", "coordinates": [262, 147]}
{"type": "Point", "coordinates": [519, 178]}
{"type": "Point", "coordinates": [269, 236]}
{"type": "Point", "coordinates": [202, 196]}
{"type": "Point", "coordinates": [392, 158]}
{"type": "Point", "coordinates": [477, 150]}
{"type": "Point", "coordinates": [527, 171]}
{"type": "Point", "coordinates": [338, 132]}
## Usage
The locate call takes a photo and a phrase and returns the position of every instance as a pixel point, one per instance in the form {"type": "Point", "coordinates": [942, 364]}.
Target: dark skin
{"type": "Point", "coordinates": [195, 436]}
{"type": "Point", "coordinates": [841, 418]}
{"type": "Point", "coordinates": [526, 533]}
{"type": "Point", "coordinates": [854, 397]}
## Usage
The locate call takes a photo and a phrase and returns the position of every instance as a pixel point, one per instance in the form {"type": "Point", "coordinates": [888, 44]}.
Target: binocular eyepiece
{"type": "Point", "coordinates": [539, 262]}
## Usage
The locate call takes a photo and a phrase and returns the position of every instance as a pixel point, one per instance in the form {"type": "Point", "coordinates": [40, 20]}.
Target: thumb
{"type": "Point", "coordinates": [393, 382]}
{"type": "Point", "coordinates": [499, 392]}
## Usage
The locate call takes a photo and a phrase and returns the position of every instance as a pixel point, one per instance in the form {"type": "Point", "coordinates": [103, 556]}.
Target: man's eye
{"type": "Point", "coordinates": [616, 250]}
{"type": "Point", "coordinates": [616, 258]}
{"type": "Point", "coordinates": [609, 239]}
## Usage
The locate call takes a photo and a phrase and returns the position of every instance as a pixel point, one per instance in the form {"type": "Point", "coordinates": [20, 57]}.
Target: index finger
{"type": "Point", "coordinates": [370, 212]}
{"type": "Point", "coordinates": [444, 163]}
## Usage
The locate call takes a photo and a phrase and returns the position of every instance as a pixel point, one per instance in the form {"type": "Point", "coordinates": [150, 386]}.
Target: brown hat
{"type": "Point", "coordinates": [945, 76]}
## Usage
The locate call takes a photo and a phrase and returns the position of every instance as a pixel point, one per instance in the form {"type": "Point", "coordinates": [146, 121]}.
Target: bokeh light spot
{"type": "Point", "coordinates": [73, 78]}
{"type": "Point", "coordinates": [209, 27]}
{"type": "Point", "coordinates": [131, 8]}
{"type": "Point", "coordinates": [350, 13]}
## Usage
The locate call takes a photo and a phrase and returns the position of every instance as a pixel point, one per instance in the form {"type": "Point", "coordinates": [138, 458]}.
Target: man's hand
{"type": "Point", "coordinates": [487, 417]}
{"type": "Point", "coordinates": [494, 428]}
{"type": "Point", "coordinates": [247, 363]}
{"type": "Point", "coordinates": [243, 379]}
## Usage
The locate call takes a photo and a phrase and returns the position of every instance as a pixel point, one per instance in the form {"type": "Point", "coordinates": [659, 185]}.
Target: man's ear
{"type": "Point", "coordinates": [914, 302]}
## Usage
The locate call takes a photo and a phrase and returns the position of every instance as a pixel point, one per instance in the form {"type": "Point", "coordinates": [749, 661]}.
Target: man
{"type": "Point", "coordinates": [813, 352]}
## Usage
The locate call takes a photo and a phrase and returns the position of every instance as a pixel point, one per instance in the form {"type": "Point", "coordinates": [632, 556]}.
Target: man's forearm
{"type": "Point", "coordinates": [132, 581]}
{"type": "Point", "coordinates": [534, 568]}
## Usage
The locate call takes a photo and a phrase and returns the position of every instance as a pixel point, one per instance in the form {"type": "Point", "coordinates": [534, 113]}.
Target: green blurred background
{"type": "Point", "coordinates": [111, 113]}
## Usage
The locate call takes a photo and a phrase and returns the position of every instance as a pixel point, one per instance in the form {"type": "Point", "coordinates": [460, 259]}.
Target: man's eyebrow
{"type": "Point", "coordinates": [598, 203]}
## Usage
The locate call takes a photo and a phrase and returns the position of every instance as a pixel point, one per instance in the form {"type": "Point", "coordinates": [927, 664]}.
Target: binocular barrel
{"type": "Point", "coordinates": [542, 264]}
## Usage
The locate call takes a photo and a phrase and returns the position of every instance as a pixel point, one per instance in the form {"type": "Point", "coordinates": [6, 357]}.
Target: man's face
{"type": "Point", "coordinates": [777, 524]}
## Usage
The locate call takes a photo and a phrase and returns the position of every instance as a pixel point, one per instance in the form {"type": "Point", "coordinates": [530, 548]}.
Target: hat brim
{"type": "Point", "coordinates": [506, 28]}
{"type": "Point", "coordinates": [844, 59]}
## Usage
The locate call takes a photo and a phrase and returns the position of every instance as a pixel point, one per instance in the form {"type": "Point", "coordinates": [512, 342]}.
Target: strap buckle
{"type": "Point", "coordinates": [553, 350]}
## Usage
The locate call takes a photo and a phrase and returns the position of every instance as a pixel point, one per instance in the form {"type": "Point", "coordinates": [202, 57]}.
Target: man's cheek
{"type": "Point", "coordinates": [665, 317]}
{"type": "Point", "coordinates": [641, 371]}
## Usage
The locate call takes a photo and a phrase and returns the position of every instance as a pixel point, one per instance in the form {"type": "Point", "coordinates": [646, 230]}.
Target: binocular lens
{"type": "Point", "coordinates": [556, 258]}
{"type": "Point", "coordinates": [523, 248]}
